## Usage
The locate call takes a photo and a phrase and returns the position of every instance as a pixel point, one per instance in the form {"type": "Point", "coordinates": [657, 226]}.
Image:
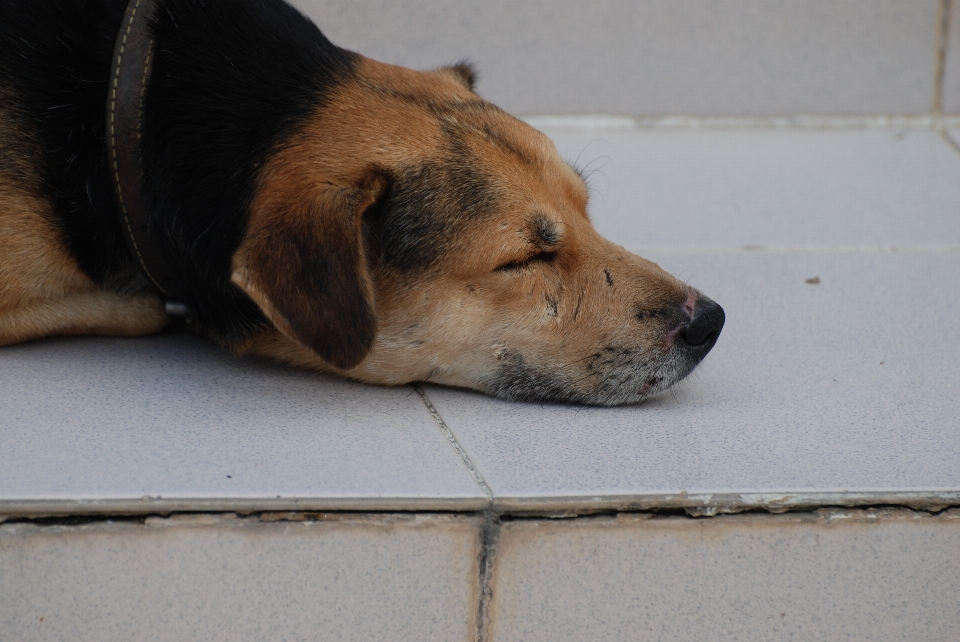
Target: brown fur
{"type": "Point", "coordinates": [460, 321]}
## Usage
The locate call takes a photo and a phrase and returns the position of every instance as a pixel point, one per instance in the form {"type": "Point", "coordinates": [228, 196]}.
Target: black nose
{"type": "Point", "coordinates": [707, 323]}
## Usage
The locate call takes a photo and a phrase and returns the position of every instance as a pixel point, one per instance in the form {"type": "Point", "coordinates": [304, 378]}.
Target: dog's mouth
{"type": "Point", "coordinates": [616, 375]}
{"type": "Point", "coordinates": [648, 386]}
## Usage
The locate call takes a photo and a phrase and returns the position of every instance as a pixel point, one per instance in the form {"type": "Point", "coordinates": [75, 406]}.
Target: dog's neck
{"type": "Point", "coordinates": [129, 73]}
{"type": "Point", "coordinates": [228, 82]}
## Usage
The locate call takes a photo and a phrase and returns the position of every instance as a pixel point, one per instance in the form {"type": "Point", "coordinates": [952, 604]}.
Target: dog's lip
{"type": "Point", "coordinates": [645, 388]}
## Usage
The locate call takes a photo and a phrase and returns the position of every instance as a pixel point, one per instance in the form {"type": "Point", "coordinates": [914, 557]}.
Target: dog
{"type": "Point", "coordinates": [315, 207]}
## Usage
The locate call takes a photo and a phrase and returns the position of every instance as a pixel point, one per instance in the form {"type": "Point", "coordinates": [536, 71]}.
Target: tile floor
{"type": "Point", "coordinates": [841, 392]}
{"type": "Point", "coordinates": [845, 387]}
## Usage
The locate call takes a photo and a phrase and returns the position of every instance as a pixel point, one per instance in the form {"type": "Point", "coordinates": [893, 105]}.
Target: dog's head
{"type": "Point", "coordinates": [412, 231]}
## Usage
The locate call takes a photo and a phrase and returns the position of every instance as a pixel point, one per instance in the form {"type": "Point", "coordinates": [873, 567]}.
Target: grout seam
{"type": "Point", "coordinates": [492, 520]}
{"type": "Point", "coordinates": [943, 41]}
{"type": "Point", "coordinates": [477, 477]}
{"type": "Point", "coordinates": [490, 528]}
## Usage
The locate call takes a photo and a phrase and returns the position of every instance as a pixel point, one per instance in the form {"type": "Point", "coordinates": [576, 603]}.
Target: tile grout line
{"type": "Point", "coordinates": [489, 531]}
{"type": "Point", "coordinates": [943, 37]}
{"type": "Point", "coordinates": [477, 477]}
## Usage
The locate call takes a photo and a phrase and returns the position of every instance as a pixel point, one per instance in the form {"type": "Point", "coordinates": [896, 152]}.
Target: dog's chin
{"type": "Point", "coordinates": [614, 377]}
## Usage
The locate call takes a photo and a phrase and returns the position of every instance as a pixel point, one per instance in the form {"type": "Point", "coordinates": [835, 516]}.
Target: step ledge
{"type": "Point", "coordinates": [698, 503]}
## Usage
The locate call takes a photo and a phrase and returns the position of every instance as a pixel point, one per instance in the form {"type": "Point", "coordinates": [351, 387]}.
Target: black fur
{"type": "Point", "coordinates": [418, 222]}
{"type": "Point", "coordinates": [543, 233]}
{"type": "Point", "coordinates": [55, 57]}
{"type": "Point", "coordinates": [231, 81]}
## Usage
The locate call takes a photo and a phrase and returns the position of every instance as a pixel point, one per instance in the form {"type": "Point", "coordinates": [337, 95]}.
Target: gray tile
{"type": "Point", "coordinates": [951, 75]}
{"type": "Point", "coordinates": [813, 392]}
{"type": "Point", "coordinates": [721, 189]}
{"type": "Point", "coordinates": [955, 138]}
{"type": "Point", "coordinates": [383, 578]}
{"type": "Point", "coordinates": [174, 419]}
{"type": "Point", "coordinates": [653, 57]}
{"type": "Point", "coordinates": [850, 576]}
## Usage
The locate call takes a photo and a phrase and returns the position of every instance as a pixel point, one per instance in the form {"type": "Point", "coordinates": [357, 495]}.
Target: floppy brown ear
{"type": "Point", "coordinates": [303, 262]}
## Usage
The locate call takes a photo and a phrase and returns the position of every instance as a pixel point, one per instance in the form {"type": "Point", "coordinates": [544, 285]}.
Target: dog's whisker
{"type": "Point", "coordinates": [572, 363]}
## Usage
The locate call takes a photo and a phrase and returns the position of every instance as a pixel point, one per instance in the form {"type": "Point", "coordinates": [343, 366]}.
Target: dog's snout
{"type": "Point", "coordinates": [705, 326]}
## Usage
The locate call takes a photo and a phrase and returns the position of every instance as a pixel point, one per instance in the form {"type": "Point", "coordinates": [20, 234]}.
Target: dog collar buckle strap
{"type": "Point", "coordinates": [129, 73]}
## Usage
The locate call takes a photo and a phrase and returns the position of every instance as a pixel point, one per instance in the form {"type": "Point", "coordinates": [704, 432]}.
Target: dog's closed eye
{"type": "Point", "coordinates": [539, 257]}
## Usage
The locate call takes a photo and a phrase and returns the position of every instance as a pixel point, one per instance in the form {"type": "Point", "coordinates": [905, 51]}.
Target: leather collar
{"type": "Point", "coordinates": [129, 74]}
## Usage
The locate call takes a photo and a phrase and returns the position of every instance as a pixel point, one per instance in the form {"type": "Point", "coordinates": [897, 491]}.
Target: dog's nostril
{"type": "Point", "coordinates": [708, 318]}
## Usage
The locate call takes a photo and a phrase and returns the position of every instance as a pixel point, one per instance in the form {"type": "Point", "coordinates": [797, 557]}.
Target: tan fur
{"type": "Point", "coordinates": [42, 290]}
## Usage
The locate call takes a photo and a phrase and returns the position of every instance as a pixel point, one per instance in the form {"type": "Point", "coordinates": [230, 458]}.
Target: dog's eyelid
{"type": "Point", "coordinates": [540, 256]}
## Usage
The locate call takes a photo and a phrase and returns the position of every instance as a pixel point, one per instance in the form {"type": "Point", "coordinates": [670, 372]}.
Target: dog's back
{"type": "Point", "coordinates": [230, 78]}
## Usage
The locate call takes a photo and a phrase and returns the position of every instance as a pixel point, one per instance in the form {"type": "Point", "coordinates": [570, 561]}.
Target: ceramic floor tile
{"type": "Point", "coordinates": [174, 417]}
{"type": "Point", "coordinates": [845, 575]}
{"type": "Point", "coordinates": [210, 578]}
{"type": "Point", "coordinates": [846, 386]}
{"type": "Point", "coordinates": [709, 189]}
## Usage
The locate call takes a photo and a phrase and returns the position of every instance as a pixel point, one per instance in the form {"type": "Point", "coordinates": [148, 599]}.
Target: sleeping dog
{"type": "Point", "coordinates": [312, 206]}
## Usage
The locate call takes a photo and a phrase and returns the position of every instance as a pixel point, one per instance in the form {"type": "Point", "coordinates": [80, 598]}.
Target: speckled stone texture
{"type": "Point", "coordinates": [845, 575]}
{"type": "Point", "coordinates": [172, 421]}
{"type": "Point", "coordinates": [217, 578]}
{"type": "Point", "coordinates": [814, 392]}
{"type": "Point", "coordinates": [655, 57]}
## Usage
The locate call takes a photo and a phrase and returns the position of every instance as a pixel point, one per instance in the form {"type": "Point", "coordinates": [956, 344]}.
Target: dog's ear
{"type": "Point", "coordinates": [303, 262]}
{"type": "Point", "coordinates": [463, 72]}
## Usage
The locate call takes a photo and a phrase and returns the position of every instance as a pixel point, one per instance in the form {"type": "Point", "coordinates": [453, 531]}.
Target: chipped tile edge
{"type": "Point", "coordinates": [704, 504]}
{"type": "Point", "coordinates": [162, 506]}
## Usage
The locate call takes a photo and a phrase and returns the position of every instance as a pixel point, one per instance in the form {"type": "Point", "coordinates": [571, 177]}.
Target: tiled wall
{"type": "Point", "coordinates": [658, 57]}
